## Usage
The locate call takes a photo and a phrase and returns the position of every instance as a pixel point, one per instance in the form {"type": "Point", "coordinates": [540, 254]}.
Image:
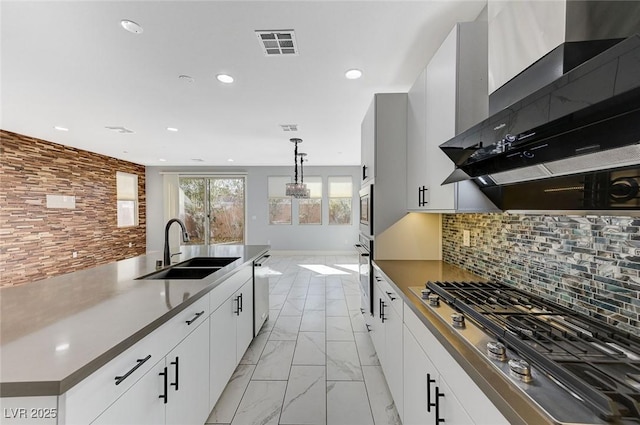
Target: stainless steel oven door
{"type": "Point", "coordinates": [366, 210]}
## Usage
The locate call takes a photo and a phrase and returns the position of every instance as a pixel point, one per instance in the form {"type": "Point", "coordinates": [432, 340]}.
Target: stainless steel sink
{"type": "Point", "coordinates": [182, 273]}
{"type": "Point", "coordinates": [207, 262]}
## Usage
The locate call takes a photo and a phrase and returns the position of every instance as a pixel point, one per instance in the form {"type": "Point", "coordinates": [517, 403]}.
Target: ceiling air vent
{"type": "Point", "coordinates": [289, 127]}
{"type": "Point", "coordinates": [278, 42]}
{"type": "Point", "coordinates": [119, 129]}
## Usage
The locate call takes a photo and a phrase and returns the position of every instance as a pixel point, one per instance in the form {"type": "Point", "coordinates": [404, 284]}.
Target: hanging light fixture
{"type": "Point", "coordinates": [295, 189]}
{"type": "Point", "coordinates": [307, 191]}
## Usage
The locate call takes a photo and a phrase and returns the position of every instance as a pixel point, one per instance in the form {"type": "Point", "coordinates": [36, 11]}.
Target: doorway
{"type": "Point", "coordinates": [213, 209]}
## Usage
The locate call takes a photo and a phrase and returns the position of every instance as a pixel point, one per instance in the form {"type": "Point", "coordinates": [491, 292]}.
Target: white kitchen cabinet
{"type": "Point", "coordinates": [384, 157]}
{"type": "Point", "coordinates": [141, 404]}
{"type": "Point", "coordinates": [386, 335]}
{"type": "Point", "coordinates": [450, 377]}
{"type": "Point", "coordinates": [417, 183]}
{"type": "Point", "coordinates": [231, 332]}
{"type": "Point", "coordinates": [418, 387]}
{"type": "Point", "coordinates": [174, 391]}
{"type": "Point", "coordinates": [456, 99]}
{"type": "Point", "coordinates": [188, 369]}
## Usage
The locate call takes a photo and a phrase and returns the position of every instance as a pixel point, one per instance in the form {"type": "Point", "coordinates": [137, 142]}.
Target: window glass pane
{"type": "Point", "coordinates": [127, 199]}
{"type": "Point", "coordinates": [314, 184]}
{"type": "Point", "coordinates": [340, 210]}
{"type": "Point", "coordinates": [192, 208]}
{"type": "Point", "coordinates": [310, 211]}
{"type": "Point", "coordinates": [277, 186]}
{"type": "Point", "coordinates": [280, 210]}
{"type": "Point", "coordinates": [127, 186]}
{"type": "Point", "coordinates": [126, 213]}
{"type": "Point", "coordinates": [340, 187]}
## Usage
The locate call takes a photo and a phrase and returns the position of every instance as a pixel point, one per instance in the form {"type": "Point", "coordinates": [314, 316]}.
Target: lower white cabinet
{"type": "Point", "coordinates": [174, 391]}
{"type": "Point", "coordinates": [231, 332]}
{"type": "Point", "coordinates": [386, 334]}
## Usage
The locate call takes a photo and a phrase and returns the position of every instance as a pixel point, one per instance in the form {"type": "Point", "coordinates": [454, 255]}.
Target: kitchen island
{"type": "Point", "coordinates": [56, 332]}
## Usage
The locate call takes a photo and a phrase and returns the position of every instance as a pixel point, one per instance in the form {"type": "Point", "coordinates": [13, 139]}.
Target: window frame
{"type": "Point", "coordinates": [122, 198]}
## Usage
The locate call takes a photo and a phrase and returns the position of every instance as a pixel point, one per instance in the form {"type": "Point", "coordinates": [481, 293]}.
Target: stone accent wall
{"type": "Point", "coordinates": [588, 263]}
{"type": "Point", "coordinates": [37, 242]}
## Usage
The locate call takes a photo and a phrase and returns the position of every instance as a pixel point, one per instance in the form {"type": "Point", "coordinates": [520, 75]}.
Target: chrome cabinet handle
{"type": "Point", "coordinates": [139, 363]}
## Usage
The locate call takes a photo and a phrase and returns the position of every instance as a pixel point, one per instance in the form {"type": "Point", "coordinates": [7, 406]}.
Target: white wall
{"type": "Point", "coordinates": [293, 237]}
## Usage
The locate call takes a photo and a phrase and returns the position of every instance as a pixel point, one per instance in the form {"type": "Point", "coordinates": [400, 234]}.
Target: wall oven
{"type": "Point", "coordinates": [365, 271]}
{"type": "Point", "coordinates": [366, 210]}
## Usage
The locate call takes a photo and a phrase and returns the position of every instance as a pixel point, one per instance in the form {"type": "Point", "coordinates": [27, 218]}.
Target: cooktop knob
{"type": "Point", "coordinates": [425, 293]}
{"type": "Point", "coordinates": [434, 300]}
{"type": "Point", "coordinates": [457, 320]}
{"type": "Point", "coordinates": [520, 369]}
{"type": "Point", "coordinates": [497, 350]}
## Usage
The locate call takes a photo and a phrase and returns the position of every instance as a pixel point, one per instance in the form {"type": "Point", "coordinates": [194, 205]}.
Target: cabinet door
{"type": "Point", "coordinates": [377, 328]}
{"type": "Point", "coordinates": [141, 404]}
{"type": "Point", "coordinates": [222, 348]}
{"type": "Point", "coordinates": [368, 143]}
{"type": "Point", "coordinates": [417, 183]}
{"type": "Point", "coordinates": [188, 368]}
{"type": "Point", "coordinates": [449, 410]}
{"type": "Point", "coordinates": [244, 329]}
{"type": "Point", "coordinates": [418, 390]}
{"type": "Point", "coordinates": [393, 354]}
{"type": "Point", "coordinates": [441, 120]}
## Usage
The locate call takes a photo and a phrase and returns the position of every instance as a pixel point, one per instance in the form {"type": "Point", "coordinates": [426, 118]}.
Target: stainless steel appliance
{"type": "Point", "coordinates": [584, 121]}
{"type": "Point", "coordinates": [365, 270]}
{"type": "Point", "coordinates": [260, 292]}
{"type": "Point", "coordinates": [366, 210]}
{"type": "Point", "coordinates": [576, 368]}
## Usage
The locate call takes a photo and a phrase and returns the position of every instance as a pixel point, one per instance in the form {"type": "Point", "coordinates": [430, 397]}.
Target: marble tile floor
{"type": "Point", "coordinates": [313, 362]}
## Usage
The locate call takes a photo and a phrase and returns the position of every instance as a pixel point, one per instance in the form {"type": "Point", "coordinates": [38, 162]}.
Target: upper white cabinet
{"type": "Point", "coordinates": [455, 98]}
{"type": "Point", "coordinates": [384, 157]}
{"type": "Point", "coordinates": [417, 184]}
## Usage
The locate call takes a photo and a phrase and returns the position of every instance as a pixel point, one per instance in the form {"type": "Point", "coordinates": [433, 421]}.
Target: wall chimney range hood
{"type": "Point", "coordinates": [572, 133]}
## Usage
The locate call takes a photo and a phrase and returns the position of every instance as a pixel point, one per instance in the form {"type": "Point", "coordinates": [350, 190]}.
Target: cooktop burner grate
{"type": "Point", "coordinates": [595, 361]}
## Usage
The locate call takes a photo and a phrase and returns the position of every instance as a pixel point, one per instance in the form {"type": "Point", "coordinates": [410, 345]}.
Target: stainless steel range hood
{"type": "Point", "coordinates": [587, 120]}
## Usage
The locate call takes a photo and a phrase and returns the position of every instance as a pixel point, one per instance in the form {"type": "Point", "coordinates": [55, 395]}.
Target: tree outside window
{"type": "Point", "coordinates": [310, 210]}
{"type": "Point", "coordinates": [279, 203]}
{"type": "Point", "coordinates": [340, 199]}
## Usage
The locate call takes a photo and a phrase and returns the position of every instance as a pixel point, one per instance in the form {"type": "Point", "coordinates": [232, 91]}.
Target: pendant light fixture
{"type": "Point", "coordinates": [295, 189]}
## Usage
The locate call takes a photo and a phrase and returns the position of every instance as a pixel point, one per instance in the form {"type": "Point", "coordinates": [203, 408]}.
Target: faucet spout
{"type": "Point", "coordinates": [185, 238]}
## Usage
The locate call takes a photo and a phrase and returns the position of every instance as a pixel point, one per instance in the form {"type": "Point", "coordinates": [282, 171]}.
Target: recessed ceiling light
{"type": "Point", "coordinates": [162, 160]}
{"type": "Point", "coordinates": [353, 74]}
{"type": "Point", "coordinates": [186, 78]}
{"type": "Point", "coordinates": [60, 128]}
{"type": "Point", "coordinates": [230, 160]}
{"type": "Point", "coordinates": [224, 78]}
{"type": "Point", "coordinates": [131, 26]}
{"type": "Point", "coordinates": [172, 129]}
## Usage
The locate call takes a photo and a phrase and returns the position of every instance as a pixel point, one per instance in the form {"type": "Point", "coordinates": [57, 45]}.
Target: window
{"type": "Point", "coordinates": [279, 203]}
{"type": "Point", "coordinates": [340, 199]}
{"type": "Point", "coordinates": [127, 196]}
{"type": "Point", "coordinates": [310, 210]}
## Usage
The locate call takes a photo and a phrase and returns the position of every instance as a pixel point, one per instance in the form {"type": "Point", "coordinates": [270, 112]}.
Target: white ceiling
{"type": "Point", "coordinates": [71, 64]}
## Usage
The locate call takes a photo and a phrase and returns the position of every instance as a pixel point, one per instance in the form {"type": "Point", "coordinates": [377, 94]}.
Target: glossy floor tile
{"type": "Point", "coordinates": [313, 362]}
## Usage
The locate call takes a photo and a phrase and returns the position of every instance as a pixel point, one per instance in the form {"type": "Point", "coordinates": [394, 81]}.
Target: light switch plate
{"type": "Point", "coordinates": [466, 238]}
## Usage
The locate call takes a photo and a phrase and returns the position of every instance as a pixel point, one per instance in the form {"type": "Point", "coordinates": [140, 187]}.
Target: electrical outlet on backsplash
{"type": "Point", "coordinates": [590, 263]}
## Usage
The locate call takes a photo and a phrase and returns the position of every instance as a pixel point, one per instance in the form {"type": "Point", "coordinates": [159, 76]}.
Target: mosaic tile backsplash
{"type": "Point", "coordinates": [588, 263]}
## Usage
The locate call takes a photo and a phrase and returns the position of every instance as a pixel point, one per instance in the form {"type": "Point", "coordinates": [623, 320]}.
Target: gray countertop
{"type": "Point", "coordinates": [405, 274]}
{"type": "Point", "coordinates": [57, 331]}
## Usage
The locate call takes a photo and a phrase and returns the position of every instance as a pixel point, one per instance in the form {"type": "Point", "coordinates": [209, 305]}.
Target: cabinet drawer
{"type": "Point", "coordinates": [89, 398]}
{"type": "Point", "coordinates": [387, 291]}
{"type": "Point", "coordinates": [222, 292]}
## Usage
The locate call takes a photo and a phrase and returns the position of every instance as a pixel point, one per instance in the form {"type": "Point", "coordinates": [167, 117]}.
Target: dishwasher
{"type": "Point", "coordinates": [260, 292]}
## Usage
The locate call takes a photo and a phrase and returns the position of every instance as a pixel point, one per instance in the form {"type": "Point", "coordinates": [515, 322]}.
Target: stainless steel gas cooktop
{"type": "Point", "coordinates": [576, 368]}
